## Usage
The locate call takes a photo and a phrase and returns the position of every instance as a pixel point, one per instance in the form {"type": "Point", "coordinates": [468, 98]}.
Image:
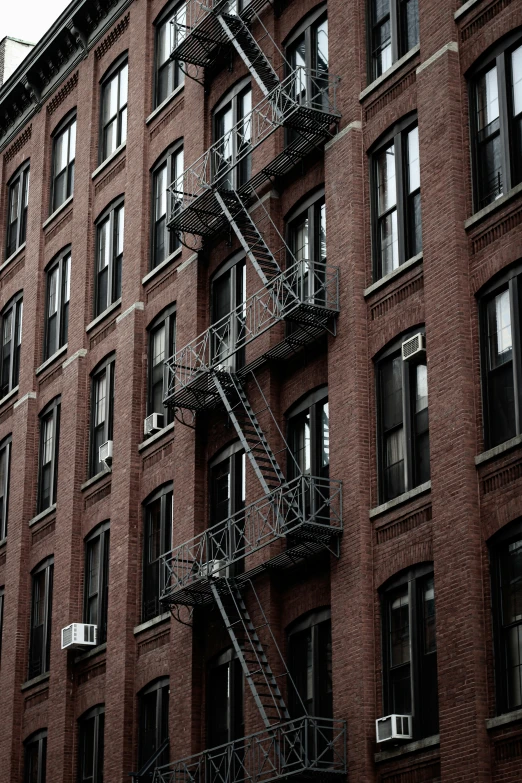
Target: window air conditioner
{"type": "Point", "coordinates": [393, 727]}
{"type": "Point", "coordinates": [153, 423]}
{"type": "Point", "coordinates": [415, 347]}
{"type": "Point", "coordinates": [106, 453]}
{"type": "Point", "coordinates": [79, 635]}
{"type": "Point", "coordinates": [213, 569]}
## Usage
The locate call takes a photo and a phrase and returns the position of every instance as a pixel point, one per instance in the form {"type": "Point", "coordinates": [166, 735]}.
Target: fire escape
{"type": "Point", "coordinates": [296, 519]}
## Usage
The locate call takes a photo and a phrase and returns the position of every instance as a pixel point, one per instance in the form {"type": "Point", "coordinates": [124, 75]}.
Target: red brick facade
{"type": "Point", "coordinates": [449, 525]}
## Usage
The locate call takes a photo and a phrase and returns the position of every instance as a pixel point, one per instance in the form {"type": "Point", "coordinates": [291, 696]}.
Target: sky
{"type": "Point", "coordinates": [29, 19]}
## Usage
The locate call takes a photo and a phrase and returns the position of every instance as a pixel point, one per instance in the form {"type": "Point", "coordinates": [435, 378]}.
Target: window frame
{"type": "Point", "coordinates": [14, 307]}
{"type": "Point", "coordinates": [165, 17]}
{"type": "Point", "coordinates": [107, 366]}
{"type": "Point", "coordinates": [238, 174]}
{"type": "Point", "coordinates": [310, 622]}
{"type": "Point", "coordinates": [64, 263]}
{"type": "Point", "coordinates": [238, 281]}
{"type": "Point", "coordinates": [46, 566]}
{"type": "Point", "coordinates": [169, 158]}
{"type": "Point", "coordinates": [21, 176]}
{"type": "Point", "coordinates": [114, 70]}
{"type": "Point", "coordinates": [101, 532]}
{"type": "Point", "coordinates": [398, 136]}
{"type": "Point", "coordinates": [414, 577]}
{"type": "Point", "coordinates": [158, 687]}
{"type": "Point", "coordinates": [38, 738]}
{"type": "Point", "coordinates": [2, 601]}
{"type": "Point", "coordinates": [96, 714]}
{"type": "Point", "coordinates": [235, 722]}
{"type": "Point", "coordinates": [113, 213]}
{"type": "Point", "coordinates": [166, 318]}
{"type": "Point", "coordinates": [394, 348]}
{"type": "Point", "coordinates": [5, 444]}
{"type": "Point", "coordinates": [162, 494]}
{"type": "Point", "coordinates": [397, 42]}
{"type": "Point", "coordinates": [52, 412]}
{"type": "Point", "coordinates": [497, 56]}
{"type": "Point", "coordinates": [63, 127]}
{"type": "Point", "coordinates": [306, 28]}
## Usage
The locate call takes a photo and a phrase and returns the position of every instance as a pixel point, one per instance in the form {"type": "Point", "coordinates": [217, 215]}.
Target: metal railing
{"type": "Point", "coordinates": [308, 501]}
{"type": "Point", "coordinates": [305, 745]}
{"type": "Point", "coordinates": [303, 89]}
{"type": "Point", "coordinates": [307, 292]}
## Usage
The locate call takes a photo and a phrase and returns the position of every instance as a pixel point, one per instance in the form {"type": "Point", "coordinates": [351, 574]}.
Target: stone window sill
{"type": "Point", "coordinates": [392, 275]}
{"type": "Point", "coordinates": [502, 448]}
{"type": "Point", "coordinates": [99, 318]}
{"type": "Point", "coordinates": [482, 214]}
{"type": "Point", "coordinates": [101, 648]}
{"type": "Point", "coordinates": [35, 681]}
{"type": "Point", "coordinates": [161, 618]}
{"type": "Point", "coordinates": [463, 10]}
{"type": "Point", "coordinates": [51, 359]}
{"type": "Point", "coordinates": [12, 257]}
{"type": "Point", "coordinates": [399, 501]}
{"type": "Point", "coordinates": [108, 160]}
{"type": "Point", "coordinates": [95, 479]}
{"type": "Point", "coordinates": [46, 513]}
{"type": "Point", "coordinates": [165, 103]}
{"type": "Point", "coordinates": [57, 211]}
{"type": "Point", "coordinates": [160, 268]}
{"type": "Point", "coordinates": [8, 396]}
{"type": "Point", "coordinates": [389, 73]}
{"type": "Point", "coordinates": [504, 720]}
{"type": "Point", "coordinates": [158, 436]}
{"type": "Point", "coordinates": [410, 747]}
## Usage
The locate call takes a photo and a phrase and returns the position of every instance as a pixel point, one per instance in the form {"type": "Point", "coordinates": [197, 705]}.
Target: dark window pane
{"type": "Point", "coordinates": [409, 24]}
{"type": "Point", "coordinates": [393, 429]}
{"type": "Point", "coordinates": [500, 381]}
{"type": "Point", "coordinates": [400, 653]}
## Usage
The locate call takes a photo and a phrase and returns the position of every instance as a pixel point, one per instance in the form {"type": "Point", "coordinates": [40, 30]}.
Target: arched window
{"type": "Point", "coordinates": [102, 411]}
{"type": "Point", "coordinates": [5, 475]}
{"type": "Point", "coordinates": [309, 445]}
{"type": "Point", "coordinates": [11, 332]}
{"type": "Point", "coordinates": [17, 200]}
{"type": "Point", "coordinates": [168, 170]}
{"type": "Point", "coordinates": [109, 256]}
{"type": "Point", "coordinates": [170, 27]}
{"type": "Point", "coordinates": [49, 448]}
{"type": "Point", "coordinates": [35, 757]}
{"type": "Point", "coordinates": [64, 153]}
{"type": "Point", "coordinates": [57, 302]}
{"type": "Point", "coordinates": [41, 616]}
{"type": "Point", "coordinates": [96, 579]}
{"type": "Point", "coordinates": [225, 718]}
{"type": "Point", "coordinates": [157, 541]}
{"type": "Point", "coordinates": [232, 160]}
{"type": "Point", "coordinates": [227, 297]}
{"type": "Point", "coordinates": [91, 745]}
{"type": "Point", "coordinates": [113, 108]}
{"type": "Point", "coordinates": [307, 51]}
{"type": "Point", "coordinates": [162, 339]}
{"type": "Point", "coordinates": [154, 724]}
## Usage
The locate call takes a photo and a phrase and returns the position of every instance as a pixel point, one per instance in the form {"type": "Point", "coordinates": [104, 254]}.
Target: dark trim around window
{"type": "Point", "coordinates": [91, 742]}
{"type": "Point", "coordinates": [35, 757]}
{"type": "Point", "coordinates": [58, 285]}
{"type": "Point", "coordinates": [310, 646]}
{"type": "Point", "coordinates": [17, 200]}
{"type": "Point", "coordinates": [109, 256]}
{"type": "Point", "coordinates": [96, 579]}
{"type": "Point", "coordinates": [225, 702]}
{"type": "Point", "coordinates": [11, 341]}
{"type": "Point", "coordinates": [102, 410]}
{"type": "Point", "coordinates": [48, 455]}
{"type": "Point", "coordinates": [392, 30]}
{"type": "Point", "coordinates": [162, 344]}
{"type": "Point", "coordinates": [153, 722]}
{"type": "Point", "coordinates": [2, 599]}
{"type": "Point", "coordinates": [63, 159]}
{"type": "Point", "coordinates": [168, 74]}
{"type": "Point", "coordinates": [168, 169]}
{"type": "Point", "coordinates": [41, 618]}
{"type": "Point", "coordinates": [113, 114]}
{"type": "Point", "coordinates": [237, 102]}
{"type": "Point", "coordinates": [157, 541]}
{"type": "Point", "coordinates": [5, 474]}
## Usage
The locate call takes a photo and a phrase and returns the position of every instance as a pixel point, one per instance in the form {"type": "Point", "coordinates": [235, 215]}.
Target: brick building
{"type": "Point", "coordinates": [237, 227]}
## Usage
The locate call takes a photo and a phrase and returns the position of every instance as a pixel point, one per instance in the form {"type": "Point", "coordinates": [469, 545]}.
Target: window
{"type": "Point", "coordinates": [168, 170]}
{"type": "Point", "coordinates": [154, 723]}
{"type": "Point", "coordinates": [2, 593]}
{"type": "Point", "coordinates": [114, 109]}
{"type": "Point", "coordinates": [309, 443]}
{"type": "Point", "coordinates": [396, 203]}
{"type": "Point", "coordinates": [57, 303]}
{"type": "Point", "coordinates": [307, 50]}
{"type": "Point", "coordinates": [42, 599]}
{"type": "Point", "coordinates": [157, 542]}
{"type": "Point", "coordinates": [91, 746]}
{"type": "Point", "coordinates": [96, 592]}
{"type": "Point", "coordinates": [35, 757]}
{"type": "Point", "coordinates": [49, 440]}
{"type": "Point", "coordinates": [11, 342]}
{"type": "Point", "coordinates": [232, 159]}
{"type": "Point", "coordinates": [227, 492]}
{"type": "Point", "coordinates": [64, 151]}
{"type": "Point", "coordinates": [225, 718]}
{"type": "Point", "coordinates": [307, 241]}
{"type": "Point", "coordinates": [109, 257]}
{"type": "Point", "coordinates": [102, 411]}
{"type": "Point", "coordinates": [162, 337]}
{"type": "Point", "coordinates": [310, 665]}
{"type": "Point", "coordinates": [170, 31]}
{"type": "Point", "coordinates": [404, 445]}
{"type": "Point", "coordinates": [496, 120]}
{"type": "Point", "coordinates": [5, 468]}
{"type": "Point", "coordinates": [393, 31]}
{"type": "Point", "coordinates": [228, 295]}
{"type": "Point", "coordinates": [17, 199]}
{"type": "Point", "coordinates": [410, 649]}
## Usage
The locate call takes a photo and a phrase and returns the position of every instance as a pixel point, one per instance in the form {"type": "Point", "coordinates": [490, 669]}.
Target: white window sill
{"type": "Point", "coordinates": [383, 281]}
{"type": "Point", "coordinates": [102, 316]}
{"type": "Point", "coordinates": [494, 206]}
{"type": "Point", "coordinates": [166, 102]}
{"type": "Point", "coordinates": [398, 501]}
{"type": "Point", "coordinates": [161, 618]}
{"type": "Point", "coordinates": [51, 359]}
{"type": "Point", "coordinates": [389, 73]}
{"type": "Point", "coordinates": [154, 438]}
{"type": "Point", "coordinates": [35, 681]}
{"type": "Point", "coordinates": [496, 451]}
{"type": "Point", "coordinates": [57, 211]}
{"type": "Point", "coordinates": [158, 269]}
{"type": "Point", "coordinates": [9, 395]}
{"type": "Point", "coordinates": [12, 257]}
{"type": "Point", "coordinates": [410, 747]}
{"type": "Point", "coordinates": [46, 513]}
{"type": "Point", "coordinates": [101, 648]}
{"type": "Point", "coordinates": [504, 720]}
{"type": "Point", "coordinates": [108, 160]}
{"type": "Point", "coordinates": [94, 479]}
{"type": "Point", "coordinates": [465, 8]}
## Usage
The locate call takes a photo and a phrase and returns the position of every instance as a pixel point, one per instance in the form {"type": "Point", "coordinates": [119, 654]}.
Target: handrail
{"type": "Point", "coordinates": [150, 763]}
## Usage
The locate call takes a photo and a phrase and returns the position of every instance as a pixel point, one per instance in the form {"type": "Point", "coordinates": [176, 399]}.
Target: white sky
{"type": "Point", "coordinates": [29, 19]}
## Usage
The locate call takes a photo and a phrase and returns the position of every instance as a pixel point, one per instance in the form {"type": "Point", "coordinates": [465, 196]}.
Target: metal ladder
{"type": "Point", "coordinates": [251, 652]}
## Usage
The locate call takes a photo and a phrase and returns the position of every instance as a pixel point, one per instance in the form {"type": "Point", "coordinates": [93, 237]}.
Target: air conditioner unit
{"type": "Point", "coordinates": [414, 347]}
{"type": "Point", "coordinates": [106, 453]}
{"type": "Point", "coordinates": [213, 569]}
{"type": "Point", "coordinates": [393, 727]}
{"type": "Point", "coordinates": [153, 423]}
{"type": "Point", "coordinates": [79, 635]}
